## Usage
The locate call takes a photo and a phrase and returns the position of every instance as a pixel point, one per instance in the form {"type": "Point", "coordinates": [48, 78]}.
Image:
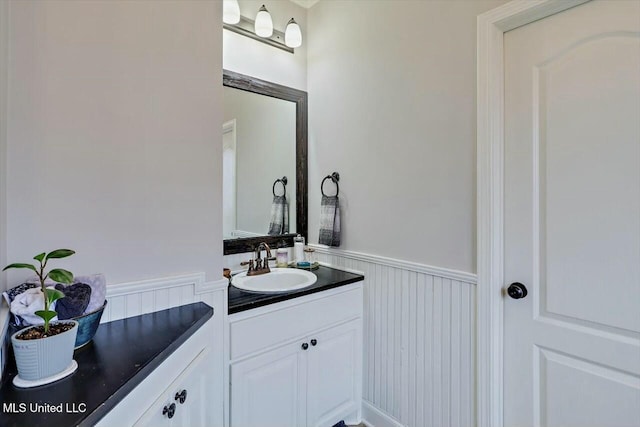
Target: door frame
{"type": "Point", "coordinates": [491, 27]}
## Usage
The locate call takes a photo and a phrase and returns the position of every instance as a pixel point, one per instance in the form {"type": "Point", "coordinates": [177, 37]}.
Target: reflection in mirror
{"type": "Point", "coordinates": [259, 148]}
{"type": "Point", "coordinates": [264, 145]}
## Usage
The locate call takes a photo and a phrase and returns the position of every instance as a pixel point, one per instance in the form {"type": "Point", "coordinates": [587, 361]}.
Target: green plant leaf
{"type": "Point", "coordinates": [60, 253]}
{"type": "Point", "coordinates": [54, 295]}
{"type": "Point", "coordinates": [20, 265]}
{"type": "Point", "coordinates": [46, 315]}
{"type": "Point", "coordinates": [40, 257]}
{"type": "Point", "coordinates": [61, 276]}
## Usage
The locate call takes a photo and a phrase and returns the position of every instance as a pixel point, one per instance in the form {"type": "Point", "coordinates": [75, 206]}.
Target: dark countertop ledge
{"type": "Point", "coordinates": [328, 278]}
{"type": "Point", "coordinates": [106, 373]}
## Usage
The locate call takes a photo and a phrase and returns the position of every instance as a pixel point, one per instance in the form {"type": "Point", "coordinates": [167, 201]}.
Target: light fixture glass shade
{"type": "Point", "coordinates": [293, 34]}
{"type": "Point", "coordinates": [230, 12]}
{"type": "Point", "coordinates": [264, 24]}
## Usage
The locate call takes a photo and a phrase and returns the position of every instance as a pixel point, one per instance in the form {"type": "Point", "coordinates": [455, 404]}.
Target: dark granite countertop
{"type": "Point", "coordinates": [328, 278]}
{"type": "Point", "coordinates": [121, 355]}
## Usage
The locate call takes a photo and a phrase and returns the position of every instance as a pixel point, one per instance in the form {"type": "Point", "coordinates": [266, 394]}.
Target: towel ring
{"type": "Point", "coordinates": [283, 181]}
{"type": "Point", "coordinates": [335, 177]}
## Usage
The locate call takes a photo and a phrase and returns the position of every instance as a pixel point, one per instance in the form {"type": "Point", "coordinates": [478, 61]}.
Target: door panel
{"type": "Point", "coordinates": [333, 374]}
{"type": "Point", "coordinates": [572, 217]}
{"type": "Point", "coordinates": [589, 161]}
{"type": "Point", "coordinates": [268, 390]}
{"type": "Point", "coordinates": [568, 382]}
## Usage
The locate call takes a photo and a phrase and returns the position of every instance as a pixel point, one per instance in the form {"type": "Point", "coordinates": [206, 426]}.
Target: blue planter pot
{"type": "Point", "coordinates": [88, 325]}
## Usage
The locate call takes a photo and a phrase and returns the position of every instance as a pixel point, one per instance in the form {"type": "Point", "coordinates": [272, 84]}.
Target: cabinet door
{"type": "Point", "coordinates": [334, 374]}
{"type": "Point", "coordinates": [268, 390]}
{"type": "Point", "coordinates": [197, 380]}
{"type": "Point", "coordinates": [154, 417]}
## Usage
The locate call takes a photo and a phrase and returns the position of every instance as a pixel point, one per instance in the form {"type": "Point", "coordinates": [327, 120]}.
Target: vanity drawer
{"type": "Point", "coordinates": [255, 333]}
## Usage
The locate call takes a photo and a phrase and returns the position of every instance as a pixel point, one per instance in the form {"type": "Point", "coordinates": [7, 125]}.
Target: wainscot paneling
{"type": "Point", "coordinates": [419, 340]}
{"type": "Point", "coordinates": [147, 296]}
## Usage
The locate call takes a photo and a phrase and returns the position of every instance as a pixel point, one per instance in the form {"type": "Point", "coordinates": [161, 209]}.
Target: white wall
{"type": "Point", "coordinates": [251, 57]}
{"type": "Point", "coordinates": [114, 138]}
{"type": "Point", "coordinates": [4, 33]}
{"type": "Point", "coordinates": [392, 108]}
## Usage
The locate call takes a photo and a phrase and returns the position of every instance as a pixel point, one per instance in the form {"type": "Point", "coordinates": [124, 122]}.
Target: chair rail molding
{"type": "Point", "coordinates": [445, 273]}
{"type": "Point", "coordinates": [491, 27]}
{"type": "Point", "coordinates": [147, 296]}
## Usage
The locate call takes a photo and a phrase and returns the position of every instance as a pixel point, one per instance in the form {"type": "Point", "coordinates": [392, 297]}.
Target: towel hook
{"type": "Point", "coordinates": [335, 177]}
{"type": "Point", "coordinates": [282, 180]}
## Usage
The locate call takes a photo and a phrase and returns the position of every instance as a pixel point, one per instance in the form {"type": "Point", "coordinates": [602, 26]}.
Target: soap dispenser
{"type": "Point", "coordinates": [298, 248]}
{"type": "Point", "coordinates": [282, 255]}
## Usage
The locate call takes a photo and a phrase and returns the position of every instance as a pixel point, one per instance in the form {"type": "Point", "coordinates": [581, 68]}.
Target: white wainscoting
{"type": "Point", "coordinates": [146, 296]}
{"type": "Point", "coordinates": [419, 340]}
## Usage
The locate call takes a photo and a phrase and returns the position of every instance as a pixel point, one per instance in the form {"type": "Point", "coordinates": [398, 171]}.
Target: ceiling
{"type": "Point", "coordinates": [305, 3]}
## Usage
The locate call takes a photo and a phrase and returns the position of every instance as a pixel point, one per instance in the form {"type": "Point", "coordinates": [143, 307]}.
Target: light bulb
{"type": "Point", "coordinates": [293, 35]}
{"type": "Point", "coordinates": [264, 24]}
{"type": "Point", "coordinates": [230, 12]}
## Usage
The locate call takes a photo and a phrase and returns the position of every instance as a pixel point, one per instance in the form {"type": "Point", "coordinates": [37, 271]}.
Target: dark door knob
{"type": "Point", "coordinates": [305, 346]}
{"type": "Point", "coordinates": [517, 290]}
{"type": "Point", "coordinates": [181, 397]}
{"type": "Point", "coordinates": [169, 411]}
{"type": "Point", "coordinates": [314, 342]}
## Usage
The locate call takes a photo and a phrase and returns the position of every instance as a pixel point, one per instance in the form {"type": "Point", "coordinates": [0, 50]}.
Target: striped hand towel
{"type": "Point", "coordinates": [279, 223]}
{"type": "Point", "coordinates": [329, 221]}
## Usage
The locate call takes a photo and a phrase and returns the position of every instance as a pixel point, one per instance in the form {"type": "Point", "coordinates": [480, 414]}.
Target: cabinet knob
{"type": "Point", "coordinates": [181, 397]}
{"type": "Point", "coordinates": [170, 410]}
{"type": "Point", "coordinates": [314, 342]}
{"type": "Point", "coordinates": [305, 346]}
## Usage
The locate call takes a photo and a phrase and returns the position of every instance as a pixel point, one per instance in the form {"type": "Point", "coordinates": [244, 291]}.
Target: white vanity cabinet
{"type": "Point", "coordinates": [184, 391]}
{"type": "Point", "coordinates": [186, 401]}
{"type": "Point", "coordinates": [299, 362]}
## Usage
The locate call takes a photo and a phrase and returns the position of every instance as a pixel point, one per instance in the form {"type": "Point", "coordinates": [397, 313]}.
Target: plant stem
{"type": "Point", "coordinates": [44, 293]}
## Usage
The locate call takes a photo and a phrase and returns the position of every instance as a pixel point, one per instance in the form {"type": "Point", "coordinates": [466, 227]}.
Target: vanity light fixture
{"type": "Point", "coordinates": [264, 23]}
{"type": "Point", "coordinates": [293, 34]}
{"type": "Point", "coordinates": [262, 29]}
{"type": "Point", "coordinates": [230, 12]}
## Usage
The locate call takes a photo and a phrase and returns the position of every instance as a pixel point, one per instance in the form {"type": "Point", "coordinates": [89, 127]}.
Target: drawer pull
{"type": "Point", "coordinates": [170, 410]}
{"type": "Point", "coordinates": [314, 342]}
{"type": "Point", "coordinates": [305, 346]}
{"type": "Point", "coordinates": [181, 397]}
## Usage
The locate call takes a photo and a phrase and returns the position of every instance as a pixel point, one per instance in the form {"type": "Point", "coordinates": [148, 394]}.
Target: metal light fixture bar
{"type": "Point", "coordinates": [246, 26]}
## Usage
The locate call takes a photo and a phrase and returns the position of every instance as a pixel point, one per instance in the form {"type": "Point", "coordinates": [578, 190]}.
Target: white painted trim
{"type": "Point", "coordinates": [215, 285]}
{"type": "Point", "coordinates": [195, 279]}
{"type": "Point", "coordinates": [490, 148]}
{"type": "Point", "coordinates": [374, 417]}
{"type": "Point", "coordinates": [396, 263]}
{"type": "Point", "coordinates": [348, 270]}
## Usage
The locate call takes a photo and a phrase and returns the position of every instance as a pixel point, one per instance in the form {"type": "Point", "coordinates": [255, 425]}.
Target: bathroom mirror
{"type": "Point", "coordinates": [264, 141]}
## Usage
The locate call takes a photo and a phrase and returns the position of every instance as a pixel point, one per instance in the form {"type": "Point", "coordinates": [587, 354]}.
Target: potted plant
{"type": "Point", "coordinates": [44, 353]}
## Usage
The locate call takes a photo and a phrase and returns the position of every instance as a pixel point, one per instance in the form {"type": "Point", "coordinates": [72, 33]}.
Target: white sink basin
{"type": "Point", "coordinates": [278, 280]}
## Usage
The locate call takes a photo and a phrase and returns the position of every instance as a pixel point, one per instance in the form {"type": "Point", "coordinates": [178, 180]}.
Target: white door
{"type": "Point", "coordinates": [572, 218]}
{"type": "Point", "coordinates": [229, 204]}
{"type": "Point", "coordinates": [334, 367]}
{"type": "Point", "coordinates": [269, 390]}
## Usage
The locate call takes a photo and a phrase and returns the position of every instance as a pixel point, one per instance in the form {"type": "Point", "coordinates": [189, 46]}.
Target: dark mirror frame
{"type": "Point", "coordinates": [263, 87]}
